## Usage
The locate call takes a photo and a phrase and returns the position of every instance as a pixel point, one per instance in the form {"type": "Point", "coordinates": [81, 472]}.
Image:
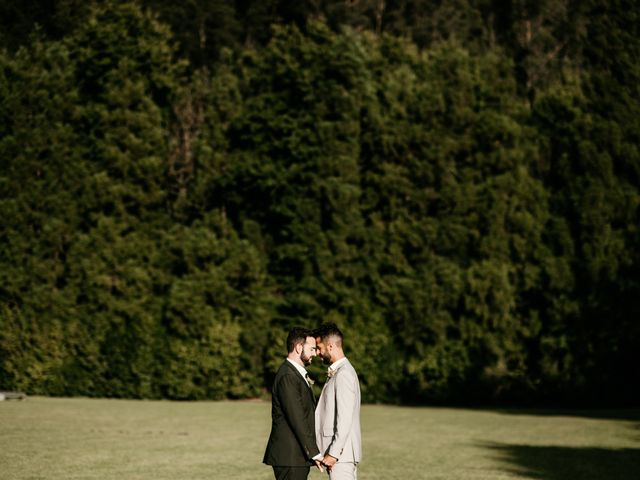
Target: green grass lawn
{"type": "Point", "coordinates": [49, 438]}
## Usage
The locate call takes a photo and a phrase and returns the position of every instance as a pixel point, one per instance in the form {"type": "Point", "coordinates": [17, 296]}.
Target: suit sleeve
{"type": "Point", "coordinates": [292, 401]}
{"type": "Point", "coordinates": [345, 410]}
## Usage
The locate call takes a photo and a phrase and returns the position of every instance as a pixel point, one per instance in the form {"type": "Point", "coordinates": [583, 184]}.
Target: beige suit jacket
{"type": "Point", "coordinates": [338, 416]}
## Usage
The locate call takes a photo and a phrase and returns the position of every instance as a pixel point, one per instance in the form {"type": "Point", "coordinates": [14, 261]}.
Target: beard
{"type": "Point", "coordinates": [326, 358]}
{"type": "Point", "coordinates": [306, 360]}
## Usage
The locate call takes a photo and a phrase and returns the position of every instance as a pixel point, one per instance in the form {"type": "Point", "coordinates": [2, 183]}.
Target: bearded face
{"type": "Point", "coordinates": [308, 351]}
{"type": "Point", "coordinates": [322, 350]}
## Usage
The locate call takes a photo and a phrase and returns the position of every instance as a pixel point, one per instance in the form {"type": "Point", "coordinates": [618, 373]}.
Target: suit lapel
{"type": "Point", "coordinates": [297, 374]}
{"type": "Point", "coordinates": [313, 395]}
{"type": "Point", "coordinates": [329, 383]}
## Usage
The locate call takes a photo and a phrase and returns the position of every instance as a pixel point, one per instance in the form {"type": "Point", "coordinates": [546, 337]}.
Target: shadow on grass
{"type": "Point", "coordinates": [628, 414]}
{"type": "Point", "coordinates": [569, 463]}
{"type": "Point", "coordinates": [632, 415]}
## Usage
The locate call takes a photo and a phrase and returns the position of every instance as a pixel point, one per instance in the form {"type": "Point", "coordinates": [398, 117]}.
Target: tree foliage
{"type": "Point", "coordinates": [454, 183]}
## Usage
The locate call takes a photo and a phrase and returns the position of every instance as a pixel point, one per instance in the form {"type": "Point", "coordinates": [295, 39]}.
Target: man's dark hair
{"type": "Point", "coordinates": [327, 330]}
{"type": "Point", "coordinates": [296, 336]}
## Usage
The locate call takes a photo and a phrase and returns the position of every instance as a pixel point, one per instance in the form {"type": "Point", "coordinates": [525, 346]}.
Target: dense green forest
{"type": "Point", "coordinates": [455, 183]}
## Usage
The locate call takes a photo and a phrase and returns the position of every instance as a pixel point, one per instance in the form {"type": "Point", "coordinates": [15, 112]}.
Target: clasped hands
{"type": "Point", "coordinates": [328, 461]}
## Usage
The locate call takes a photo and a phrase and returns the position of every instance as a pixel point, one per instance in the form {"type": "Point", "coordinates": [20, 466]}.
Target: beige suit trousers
{"type": "Point", "coordinates": [344, 471]}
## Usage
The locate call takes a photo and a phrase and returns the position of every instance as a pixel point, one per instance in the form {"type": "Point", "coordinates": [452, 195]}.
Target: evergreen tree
{"type": "Point", "coordinates": [90, 300]}
{"type": "Point", "coordinates": [592, 174]}
{"type": "Point", "coordinates": [462, 201]}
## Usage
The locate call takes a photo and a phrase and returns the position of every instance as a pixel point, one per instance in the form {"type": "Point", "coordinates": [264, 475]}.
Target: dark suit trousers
{"type": "Point", "coordinates": [291, 473]}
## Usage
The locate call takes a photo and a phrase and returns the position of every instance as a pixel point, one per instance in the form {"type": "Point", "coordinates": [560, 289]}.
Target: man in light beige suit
{"type": "Point", "coordinates": [338, 409]}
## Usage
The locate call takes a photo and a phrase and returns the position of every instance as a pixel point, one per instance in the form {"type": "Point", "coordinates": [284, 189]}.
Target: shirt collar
{"type": "Point", "coordinates": [337, 363]}
{"type": "Point", "coordinates": [300, 368]}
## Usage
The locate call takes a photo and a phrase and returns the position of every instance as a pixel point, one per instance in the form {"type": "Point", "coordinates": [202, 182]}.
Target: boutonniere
{"type": "Point", "coordinates": [331, 373]}
{"type": "Point", "coordinates": [309, 380]}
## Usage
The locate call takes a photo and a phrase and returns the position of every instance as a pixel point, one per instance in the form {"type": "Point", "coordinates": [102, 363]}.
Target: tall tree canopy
{"type": "Point", "coordinates": [454, 183]}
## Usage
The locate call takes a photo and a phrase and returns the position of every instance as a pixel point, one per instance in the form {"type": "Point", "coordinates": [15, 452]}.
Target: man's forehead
{"type": "Point", "coordinates": [327, 339]}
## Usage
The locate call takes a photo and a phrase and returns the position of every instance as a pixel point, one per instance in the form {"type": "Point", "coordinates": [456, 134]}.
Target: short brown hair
{"type": "Point", "coordinates": [297, 335]}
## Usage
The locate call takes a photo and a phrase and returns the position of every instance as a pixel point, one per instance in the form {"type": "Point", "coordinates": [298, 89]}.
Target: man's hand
{"type": "Point", "coordinates": [319, 465]}
{"type": "Point", "coordinates": [329, 461]}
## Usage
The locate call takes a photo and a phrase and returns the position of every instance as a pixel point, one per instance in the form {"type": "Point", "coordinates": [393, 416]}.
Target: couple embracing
{"type": "Point", "coordinates": [303, 433]}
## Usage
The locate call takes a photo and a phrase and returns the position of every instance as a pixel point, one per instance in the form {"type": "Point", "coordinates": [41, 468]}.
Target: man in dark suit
{"type": "Point", "coordinates": [292, 444]}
